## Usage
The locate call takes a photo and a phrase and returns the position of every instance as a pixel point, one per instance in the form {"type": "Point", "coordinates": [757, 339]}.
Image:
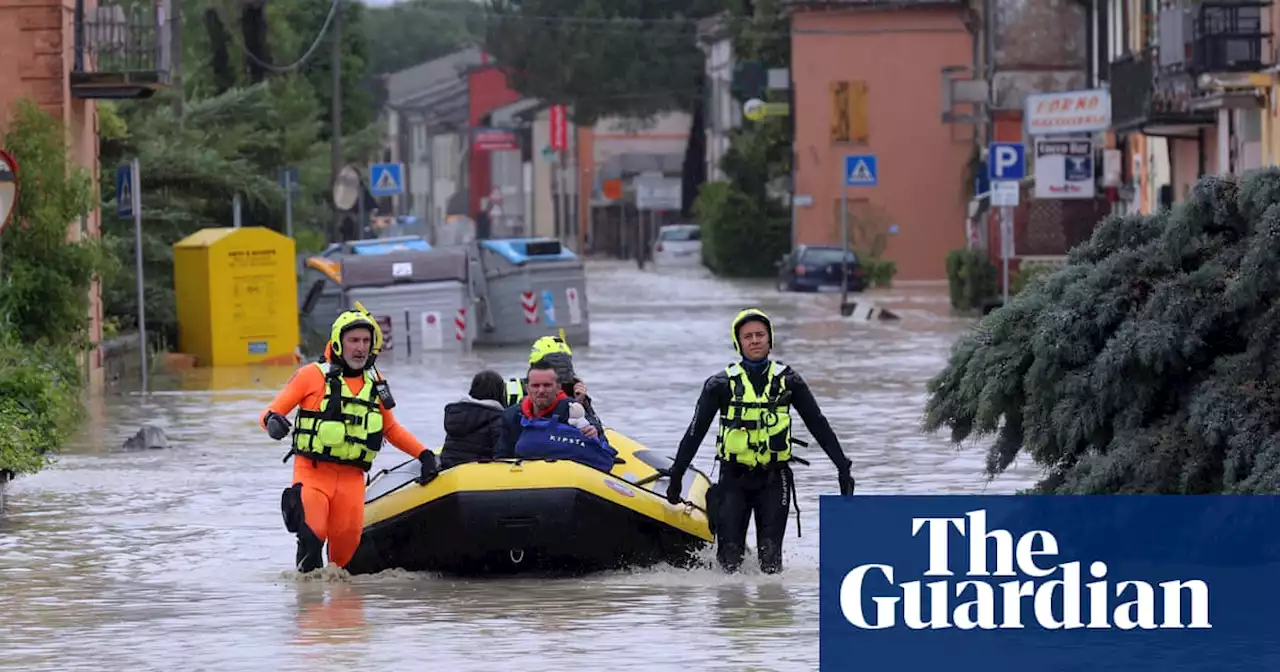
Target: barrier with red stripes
{"type": "Point", "coordinates": [460, 325]}
{"type": "Point", "coordinates": [530, 306]}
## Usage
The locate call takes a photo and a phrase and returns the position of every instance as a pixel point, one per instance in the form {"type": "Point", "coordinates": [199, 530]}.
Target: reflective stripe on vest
{"type": "Point", "coordinates": [348, 427]}
{"type": "Point", "coordinates": [756, 430]}
{"type": "Point", "coordinates": [515, 391]}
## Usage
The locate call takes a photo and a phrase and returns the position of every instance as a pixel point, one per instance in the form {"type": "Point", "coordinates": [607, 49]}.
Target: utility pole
{"type": "Point", "coordinates": [336, 66]}
{"type": "Point", "coordinates": [175, 55]}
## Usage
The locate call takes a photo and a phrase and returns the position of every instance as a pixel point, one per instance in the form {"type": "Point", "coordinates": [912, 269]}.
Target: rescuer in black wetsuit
{"type": "Point", "coordinates": [753, 398]}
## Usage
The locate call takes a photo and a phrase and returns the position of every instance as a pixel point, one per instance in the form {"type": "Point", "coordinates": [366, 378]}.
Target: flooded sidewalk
{"type": "Point", "coordinates": [178, 557]}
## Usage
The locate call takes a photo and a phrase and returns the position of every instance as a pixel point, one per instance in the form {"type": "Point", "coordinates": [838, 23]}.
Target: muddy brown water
{"type": "Point", "coordinates": [177, 559]}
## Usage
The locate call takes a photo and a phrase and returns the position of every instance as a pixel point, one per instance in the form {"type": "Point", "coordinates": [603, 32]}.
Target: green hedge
{"type": "Point", "coordinates": [740, 237]}
{"type": "Point", "coordinates": [971, 279]}
{"type": "Point", "coordinates": [44, 293]}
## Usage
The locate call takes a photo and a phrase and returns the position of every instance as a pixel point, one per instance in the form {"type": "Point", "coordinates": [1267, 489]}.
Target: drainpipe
{"type": "Point", "coordinates": [1200, 157]}
{"type": "Point", "coordinates": [988, 33]}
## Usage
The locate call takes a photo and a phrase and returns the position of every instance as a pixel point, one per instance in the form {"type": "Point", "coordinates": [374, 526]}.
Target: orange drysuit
{"type": "Point", "coordinates": [333, 494]}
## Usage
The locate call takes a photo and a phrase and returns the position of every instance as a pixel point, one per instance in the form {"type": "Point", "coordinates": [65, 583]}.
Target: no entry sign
{"type": "Point", "coordinates": [8, 187]}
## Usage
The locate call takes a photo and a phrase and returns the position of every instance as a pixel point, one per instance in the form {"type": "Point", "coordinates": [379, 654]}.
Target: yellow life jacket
{"type": "Point", "coordinates": [348, 427]}
{"type": "Point", "coordinates": [515, 391]}
{"type": "Point", "coordinates": [755, 430]}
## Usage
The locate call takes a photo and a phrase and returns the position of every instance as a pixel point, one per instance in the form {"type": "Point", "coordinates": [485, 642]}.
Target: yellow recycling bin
{"type": "Point", "coordinates": [236, 295]}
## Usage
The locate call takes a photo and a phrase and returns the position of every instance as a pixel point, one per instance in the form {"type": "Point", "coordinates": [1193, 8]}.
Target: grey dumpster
{"type": "Point", "coordinates": [420, 298]}
{"type": "Point", "coordinates": [526, 288]}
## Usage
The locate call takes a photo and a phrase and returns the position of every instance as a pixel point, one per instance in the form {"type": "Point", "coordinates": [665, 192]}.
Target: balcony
{"type": "Point", "coordinates": [1146, 99]}
{"type": "Point", "coordinates": [1214, 36]}
{"type": "Point", "coordinates": [119, 53]}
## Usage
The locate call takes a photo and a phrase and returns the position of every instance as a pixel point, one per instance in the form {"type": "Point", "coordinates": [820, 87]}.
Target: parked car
{"type": "Point", "coordinates": [815, 268]}
{"type": "Point", "coordinates": [678, 245]}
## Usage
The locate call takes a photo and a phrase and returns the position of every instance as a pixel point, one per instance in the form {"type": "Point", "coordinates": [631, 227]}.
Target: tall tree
{"type": "Point", "coordinates": [605, 57]}
{"type": "Point", "coordinates": [1147, 365]}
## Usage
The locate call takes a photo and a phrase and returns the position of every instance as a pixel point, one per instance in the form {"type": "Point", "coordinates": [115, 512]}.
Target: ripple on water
{"type": "Point", "coordinates": [178, 558]}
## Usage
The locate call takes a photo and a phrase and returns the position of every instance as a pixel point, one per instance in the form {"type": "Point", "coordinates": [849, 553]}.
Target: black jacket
{"type": "Point", "coordinates": [714, 401]}
{"type": "Point", "coordinates": [472, 429]}
{"type": "Point", "coordinates": [511, 427]}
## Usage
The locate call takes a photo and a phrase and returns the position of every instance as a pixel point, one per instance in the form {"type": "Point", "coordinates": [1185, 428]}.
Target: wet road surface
{"type": "Point", "coordinates": [177, 559]}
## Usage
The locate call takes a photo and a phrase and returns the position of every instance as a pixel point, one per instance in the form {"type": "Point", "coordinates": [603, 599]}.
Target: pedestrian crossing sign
{"type": "Point", "coordinates": [386, 179]}
{"type": "Point", "coordinates": [860, 170]}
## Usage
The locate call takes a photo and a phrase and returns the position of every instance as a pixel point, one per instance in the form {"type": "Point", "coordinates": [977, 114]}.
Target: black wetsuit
{"type": "Point", "coordinates": [764, 490]}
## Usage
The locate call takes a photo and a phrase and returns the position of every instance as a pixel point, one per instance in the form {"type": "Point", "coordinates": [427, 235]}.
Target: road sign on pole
{"type": "Point", "coordinates": [128, 182]}
{"type": "Point", "coordinates": [860, 170]}
{"type": "Point", "coordinates": [386, 179]}
{"type": "Point", "coordinates": [1006, 161]}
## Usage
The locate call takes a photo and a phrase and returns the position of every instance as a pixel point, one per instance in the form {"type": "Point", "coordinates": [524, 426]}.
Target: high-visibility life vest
{"type": "Point", "coordinates": [515, 391]}
{"type": "Point", "coordinates": [755, 430]}
{"type": "Point", "coordinates": [348, 427]}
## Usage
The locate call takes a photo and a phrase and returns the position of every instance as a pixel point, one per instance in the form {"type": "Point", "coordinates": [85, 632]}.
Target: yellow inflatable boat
{"type": "Point", "coordinates": [510, 516]}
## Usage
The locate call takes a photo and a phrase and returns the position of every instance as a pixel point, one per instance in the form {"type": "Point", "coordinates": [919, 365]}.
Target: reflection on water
{"type": "Point", "coordinates": [178, 558]}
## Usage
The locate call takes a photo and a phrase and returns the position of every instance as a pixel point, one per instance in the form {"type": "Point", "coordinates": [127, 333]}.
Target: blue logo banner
{"type": "Point", "coordinates": [1048, 583]}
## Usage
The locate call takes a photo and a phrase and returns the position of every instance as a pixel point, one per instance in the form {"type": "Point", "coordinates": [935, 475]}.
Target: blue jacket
{"type": "Point", "coordinates": [513, 429]}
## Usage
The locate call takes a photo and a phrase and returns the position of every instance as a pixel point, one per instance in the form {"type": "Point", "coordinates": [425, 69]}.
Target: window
{"type": "Point", "coordinates": [678, 234]}
{"type": "Point", "coordinates": [818, 256]}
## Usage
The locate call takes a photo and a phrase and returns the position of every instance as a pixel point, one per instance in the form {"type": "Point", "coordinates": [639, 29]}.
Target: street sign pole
{"type": "Point", "coordinates": [860, 170]}
{"type": "Point", "coordinates": [288, 204]}
{"type": "Point", "coordinates": [1006, 247]}
{"type": "Point", "coordinates": [134, 184]}
{"type": "Point", "coordinates": [844, 238]}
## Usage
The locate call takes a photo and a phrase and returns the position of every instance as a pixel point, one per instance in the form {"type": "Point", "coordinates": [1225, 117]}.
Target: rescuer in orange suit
{"type": "Point", "coordinates": [344, 411]}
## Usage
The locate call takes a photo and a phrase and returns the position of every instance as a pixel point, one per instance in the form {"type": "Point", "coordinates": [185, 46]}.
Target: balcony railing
{"type": "Point", "coordinates": [1213, 36]}
{"type": "Point", "coordinates": [1155, 101]}
{"type": "Point", "coordinates": [119, 53]}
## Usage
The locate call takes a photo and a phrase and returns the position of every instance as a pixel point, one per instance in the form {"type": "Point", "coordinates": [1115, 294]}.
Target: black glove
{"type": "Point", "coordinates": [846, 481]}
{"type": "Point", "coordinates": [430, 467]}
{"type": "Point", "coordinates": [675, 487]}
{"type": "Point", "coordinates": [277, 425]}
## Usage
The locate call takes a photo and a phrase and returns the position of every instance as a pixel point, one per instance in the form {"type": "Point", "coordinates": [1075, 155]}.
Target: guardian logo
{"type": "Point", "coordinates": [1035, 582]}
{"type": "Point", "coordinates": [1049, 583]}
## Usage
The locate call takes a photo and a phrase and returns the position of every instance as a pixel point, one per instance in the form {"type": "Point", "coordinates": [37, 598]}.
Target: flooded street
{"type": "Point", "coordinates": [178, 559]}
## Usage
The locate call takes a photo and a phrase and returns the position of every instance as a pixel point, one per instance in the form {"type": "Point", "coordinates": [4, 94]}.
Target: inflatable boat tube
{"type": "Point", "coordinates": [520, 515]}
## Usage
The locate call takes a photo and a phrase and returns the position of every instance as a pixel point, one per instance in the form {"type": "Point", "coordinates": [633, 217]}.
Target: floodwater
{"type": "Point", "coordinates": [177, 559]}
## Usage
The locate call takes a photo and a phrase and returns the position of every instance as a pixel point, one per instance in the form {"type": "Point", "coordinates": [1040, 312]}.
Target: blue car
{"type": "Point", "coordinates": [814, 268]}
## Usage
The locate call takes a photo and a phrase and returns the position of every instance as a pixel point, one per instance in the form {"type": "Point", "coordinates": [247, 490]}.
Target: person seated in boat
{"type": "Point", "coordinates": [542, 425]}
{"type": "Point", "coordinates": [473, 424]}
{"type": "Point", "coordinates": [554, 351]}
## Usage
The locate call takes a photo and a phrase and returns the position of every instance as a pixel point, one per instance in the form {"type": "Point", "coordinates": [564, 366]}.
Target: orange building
{"type": "Point", "coordinates": [867, 80]}
{"type": "Point", "coordinates": [65, 54]}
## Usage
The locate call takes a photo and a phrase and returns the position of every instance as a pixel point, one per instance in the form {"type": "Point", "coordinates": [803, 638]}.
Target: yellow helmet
{"type": "Point", "coordinates": [354, 319]}
{"type": "Point", "coordinates": [548, 345]}
{"type": "Point", "coordinates": [747, 316]}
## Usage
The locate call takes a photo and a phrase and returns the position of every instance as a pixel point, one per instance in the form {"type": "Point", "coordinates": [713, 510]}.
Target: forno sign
{"type": "Point", "coordinates": [1068, 112]}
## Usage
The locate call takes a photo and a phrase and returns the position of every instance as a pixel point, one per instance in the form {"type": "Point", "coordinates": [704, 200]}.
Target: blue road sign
{"type": "Point", "coordinates": [124, 191]}
{"type": "Point", "coordinates": [1006, 161]}
{"type": "Point", "coordinates": [860, 170]}
{"type": "Point", "coordinates": [386, 179]}
{"type": "Point", "coordinates": [290, 179]}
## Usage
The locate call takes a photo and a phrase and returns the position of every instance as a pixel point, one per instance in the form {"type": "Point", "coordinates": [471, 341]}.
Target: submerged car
{"type": "Point", "coordinates": [814, 268]}
{"type": "Point", "coordinates": [678, 245]}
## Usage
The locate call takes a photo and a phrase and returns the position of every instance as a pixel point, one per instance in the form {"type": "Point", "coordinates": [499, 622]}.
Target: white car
{"type": "Point", "coordinates": [678, 245]}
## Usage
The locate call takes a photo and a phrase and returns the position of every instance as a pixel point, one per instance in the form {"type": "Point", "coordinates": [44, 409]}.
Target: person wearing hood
{"type": "Point", "coordinates": [549, 424]}
{"type": "Point", "coordinates": [473, 424]}
{"type": "Point", "coordinates": [753, 398]}
{"type": "Point", "coordinates": [555, 352]}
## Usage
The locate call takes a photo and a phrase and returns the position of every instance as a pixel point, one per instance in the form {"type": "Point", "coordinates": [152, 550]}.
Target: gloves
{"type": "Point", "coordinates": [430, 467]}
{"type": "Point", "coordinates": [277, 425]}
{"type": "Point", "coordinates": [675, 487]}
{"type": "Point", "coordinates": [846, 481]}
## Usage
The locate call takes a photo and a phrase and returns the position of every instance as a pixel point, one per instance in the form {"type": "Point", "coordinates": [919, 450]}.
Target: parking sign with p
{"type": "Point", "coordinates": [1006, 161]}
